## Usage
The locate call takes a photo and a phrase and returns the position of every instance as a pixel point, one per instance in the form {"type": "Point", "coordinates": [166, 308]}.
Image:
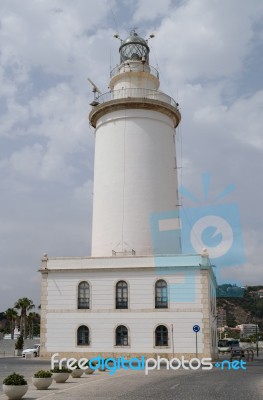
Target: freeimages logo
{"type": "Point", "coordinates": [215, 227]}
{"type": "Point", "coordinates": [113, 365]}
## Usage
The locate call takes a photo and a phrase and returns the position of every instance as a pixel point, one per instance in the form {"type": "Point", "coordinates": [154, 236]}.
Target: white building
{"type": "Point", "coordinates": [247, 330]}
{"type": "Point", "coordinates": [133, 296]}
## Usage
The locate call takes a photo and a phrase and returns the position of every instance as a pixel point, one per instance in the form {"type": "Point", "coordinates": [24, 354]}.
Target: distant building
{"type": "Point", "coordinates": [221, 317]}
{"type": "Point", "coordinates": [16, 334]}
{"type": "Point", "coordinates": [260, 293]}
{"type": "Point", "coordinates": [247, 330]}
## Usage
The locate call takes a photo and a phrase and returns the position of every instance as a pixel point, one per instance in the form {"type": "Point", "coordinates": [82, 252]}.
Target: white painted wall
{"type": "Point", "coordinates": [62, 328]}
{"type": "Point", "coordinates": [134, 176]}
{"type": "Point", "coordinates": [63, 317]}
{"type": "Point", "coordinates": [134, 74]}
{"type": "Point", "coordinates": [135, 168]}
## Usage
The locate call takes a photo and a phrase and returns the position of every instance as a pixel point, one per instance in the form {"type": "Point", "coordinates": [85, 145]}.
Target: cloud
{"type": "Point", "coordinates": [15, 115]}
{"type": "Point", "coordinates": [54, 32]}
{"type": "Point", "coordinates": [147, 10]}
{"type": "Point", "coordinates": [203, 39]}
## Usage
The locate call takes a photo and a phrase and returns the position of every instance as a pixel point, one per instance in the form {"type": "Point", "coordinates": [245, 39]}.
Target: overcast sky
{"type": "Point", "coordinates": [210, 57]}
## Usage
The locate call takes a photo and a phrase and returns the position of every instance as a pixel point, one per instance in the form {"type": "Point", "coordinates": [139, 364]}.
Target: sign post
{"type": "Point", "coordinates": [172, 329]}
{"type": "Point", "coordinates": [196, 329]}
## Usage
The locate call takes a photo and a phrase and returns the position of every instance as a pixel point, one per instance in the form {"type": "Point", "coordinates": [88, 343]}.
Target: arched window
{"type": "Point", "coordinates": [83, 335]}
{"type": "Point", "coordinates": [161, 298]}
{"type": "Point", "coordinates": [121, 336]}
{"type": "Point", "coordinates": [121, 295]}
{"type": "Point", "coordinates": [83, 295]}
{"type": "Point", "coordinates": [161, 336]}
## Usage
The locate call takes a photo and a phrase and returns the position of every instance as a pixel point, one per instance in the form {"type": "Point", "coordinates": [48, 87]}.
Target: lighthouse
{"type": "Point", "coordinates": [135, 170]}
{"type": "Point", "coordinates": [131, 297]}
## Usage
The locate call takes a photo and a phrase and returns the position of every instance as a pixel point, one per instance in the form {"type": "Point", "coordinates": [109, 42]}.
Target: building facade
{"type": "Point", "coordinates": [133, 296]}
{"type": "Point", "coordinates": [247, 330]}
{"type": "Point", "coordinates": [221, 317]}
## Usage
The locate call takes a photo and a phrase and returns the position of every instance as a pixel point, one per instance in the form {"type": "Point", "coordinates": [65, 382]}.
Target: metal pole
{"type": "Point", "coordinates": [257, 338]}
{"type": "Point", "coordinates": [196, 351]}
{"type": "Point", "coordinates": [173, 338]}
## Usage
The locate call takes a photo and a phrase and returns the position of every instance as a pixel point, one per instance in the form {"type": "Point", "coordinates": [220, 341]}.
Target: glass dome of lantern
{"type": "Point", "coordinates": [134, 48]}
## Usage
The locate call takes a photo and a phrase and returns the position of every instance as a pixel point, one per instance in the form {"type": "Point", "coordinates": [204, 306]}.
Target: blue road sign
{"type": "Point", "coordinates": [196, 328]}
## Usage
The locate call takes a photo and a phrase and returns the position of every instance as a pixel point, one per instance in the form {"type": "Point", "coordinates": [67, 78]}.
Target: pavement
{"type": "Point", "coordinates": [135, 385]}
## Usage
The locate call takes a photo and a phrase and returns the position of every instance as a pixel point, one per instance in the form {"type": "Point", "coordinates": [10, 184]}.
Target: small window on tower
{"type": "Point", "coordinates": [121, 295]}
{"type": "Point", "coordinates": [83, 336]}
{"type": "Point", "coordinates": [121, 336]}
{"type": "Point", "coordinates": [161, 296]}
{"type": "Point", "coordinates": [83, 295]}
{"type": "Point", "coordinates": [161, 336]}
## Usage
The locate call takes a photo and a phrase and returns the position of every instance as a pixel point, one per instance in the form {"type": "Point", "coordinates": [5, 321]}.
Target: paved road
{"type": "Point", "coordinates": [134, 385]}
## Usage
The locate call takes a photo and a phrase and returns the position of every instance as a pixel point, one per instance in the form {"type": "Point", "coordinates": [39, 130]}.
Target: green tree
{"type": "Point", "coordinates": [24, 305]}
{"type": "Point", "coordinates": [11, 316]}
{"type": "Point", "coordinates": [33, 320]}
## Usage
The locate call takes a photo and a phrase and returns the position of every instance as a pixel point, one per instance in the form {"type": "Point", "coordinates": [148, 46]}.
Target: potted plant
{"type": "Point", "coordinates": [77, 372]}
{"type": "Point", "coordinates": [15, 386]}
{"type": "Point", "coordinates": [42, 379]}
{"type": "Point", "coordinates": [19, 346]}
{"type": "Point", "coordinates": [89, 370]}
{"type": "Point", "coordinates": [60, 375]}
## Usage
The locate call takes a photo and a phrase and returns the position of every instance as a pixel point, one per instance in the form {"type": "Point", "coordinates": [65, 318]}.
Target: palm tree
{"type": "Point", "coordinates": [32, 319]}
{"type": "Point", "coordinates": [11, 316]}
{"type": "Point", "coordinates": [24, 304]}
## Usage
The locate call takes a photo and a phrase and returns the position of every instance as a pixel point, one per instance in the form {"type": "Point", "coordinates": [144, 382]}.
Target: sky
{"type": "Point", "coordinates": [209, 54]}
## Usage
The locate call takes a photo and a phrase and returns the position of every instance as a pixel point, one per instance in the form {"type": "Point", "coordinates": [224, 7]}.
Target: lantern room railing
{"type": "Point", "coordinates": [141, 93]}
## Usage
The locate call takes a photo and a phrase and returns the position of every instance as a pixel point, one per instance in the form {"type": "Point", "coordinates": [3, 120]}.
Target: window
{"type": "Point", "coordinates": [161, 336]}
{"type": "Point", "coordinates": [83, 335]}
{"type": "Point", "coordinates": [161, 298]}
{"type": "Point", "coordinates": [121, 295]}
{"type": "Point", "coordinates": [121, 336]}
{"type": "Point", "coordinates": [83, 295]}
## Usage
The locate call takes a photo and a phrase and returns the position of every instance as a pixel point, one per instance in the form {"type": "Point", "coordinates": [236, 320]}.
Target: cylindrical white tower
{"type": "Point", "coordinates": [135, 166]}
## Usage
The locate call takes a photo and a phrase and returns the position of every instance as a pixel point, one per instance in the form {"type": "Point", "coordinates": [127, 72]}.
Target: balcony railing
{"type": "Point", "coordinates": [83, 303]}
{"type": "Point", "coordinates": [161, 302]}
{"type": "Point", "coordinates": [121, 303]}
{"type": "Point", "coordinates": [142, 93]}
{"type": "Point", "coordinates": [126, 68]}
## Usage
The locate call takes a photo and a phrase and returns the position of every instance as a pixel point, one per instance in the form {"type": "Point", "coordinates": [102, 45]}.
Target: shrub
{"type": "Point", "coordinates": [15, 380]}
{"type": "Point", "coordinates": [43, 374]}
{"type": "Point", "coordinates": [19, 343]}
{"type": "Point", "coordinates": [62, 369]}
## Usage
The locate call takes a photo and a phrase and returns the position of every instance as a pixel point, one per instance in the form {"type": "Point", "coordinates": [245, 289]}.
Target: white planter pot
{"type": "Point", "coordinates": [60, 377]}
{"type": "Point", "coordinates": [89, 371]}
{"type": "Point", "coordinates": [18, 352]}
{"type": "Point", "coordinates": [76, 373]}
{"type": "Point", "coordinates": [15, 392]}
{"type": "Point", "coordinates": [42, 383]}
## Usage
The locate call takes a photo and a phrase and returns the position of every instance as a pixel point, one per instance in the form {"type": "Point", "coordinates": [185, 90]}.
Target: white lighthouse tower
{"type": "Point", "coordinates": [135, 171]}
{"type": "Point", "coordinates": [132, 297]}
